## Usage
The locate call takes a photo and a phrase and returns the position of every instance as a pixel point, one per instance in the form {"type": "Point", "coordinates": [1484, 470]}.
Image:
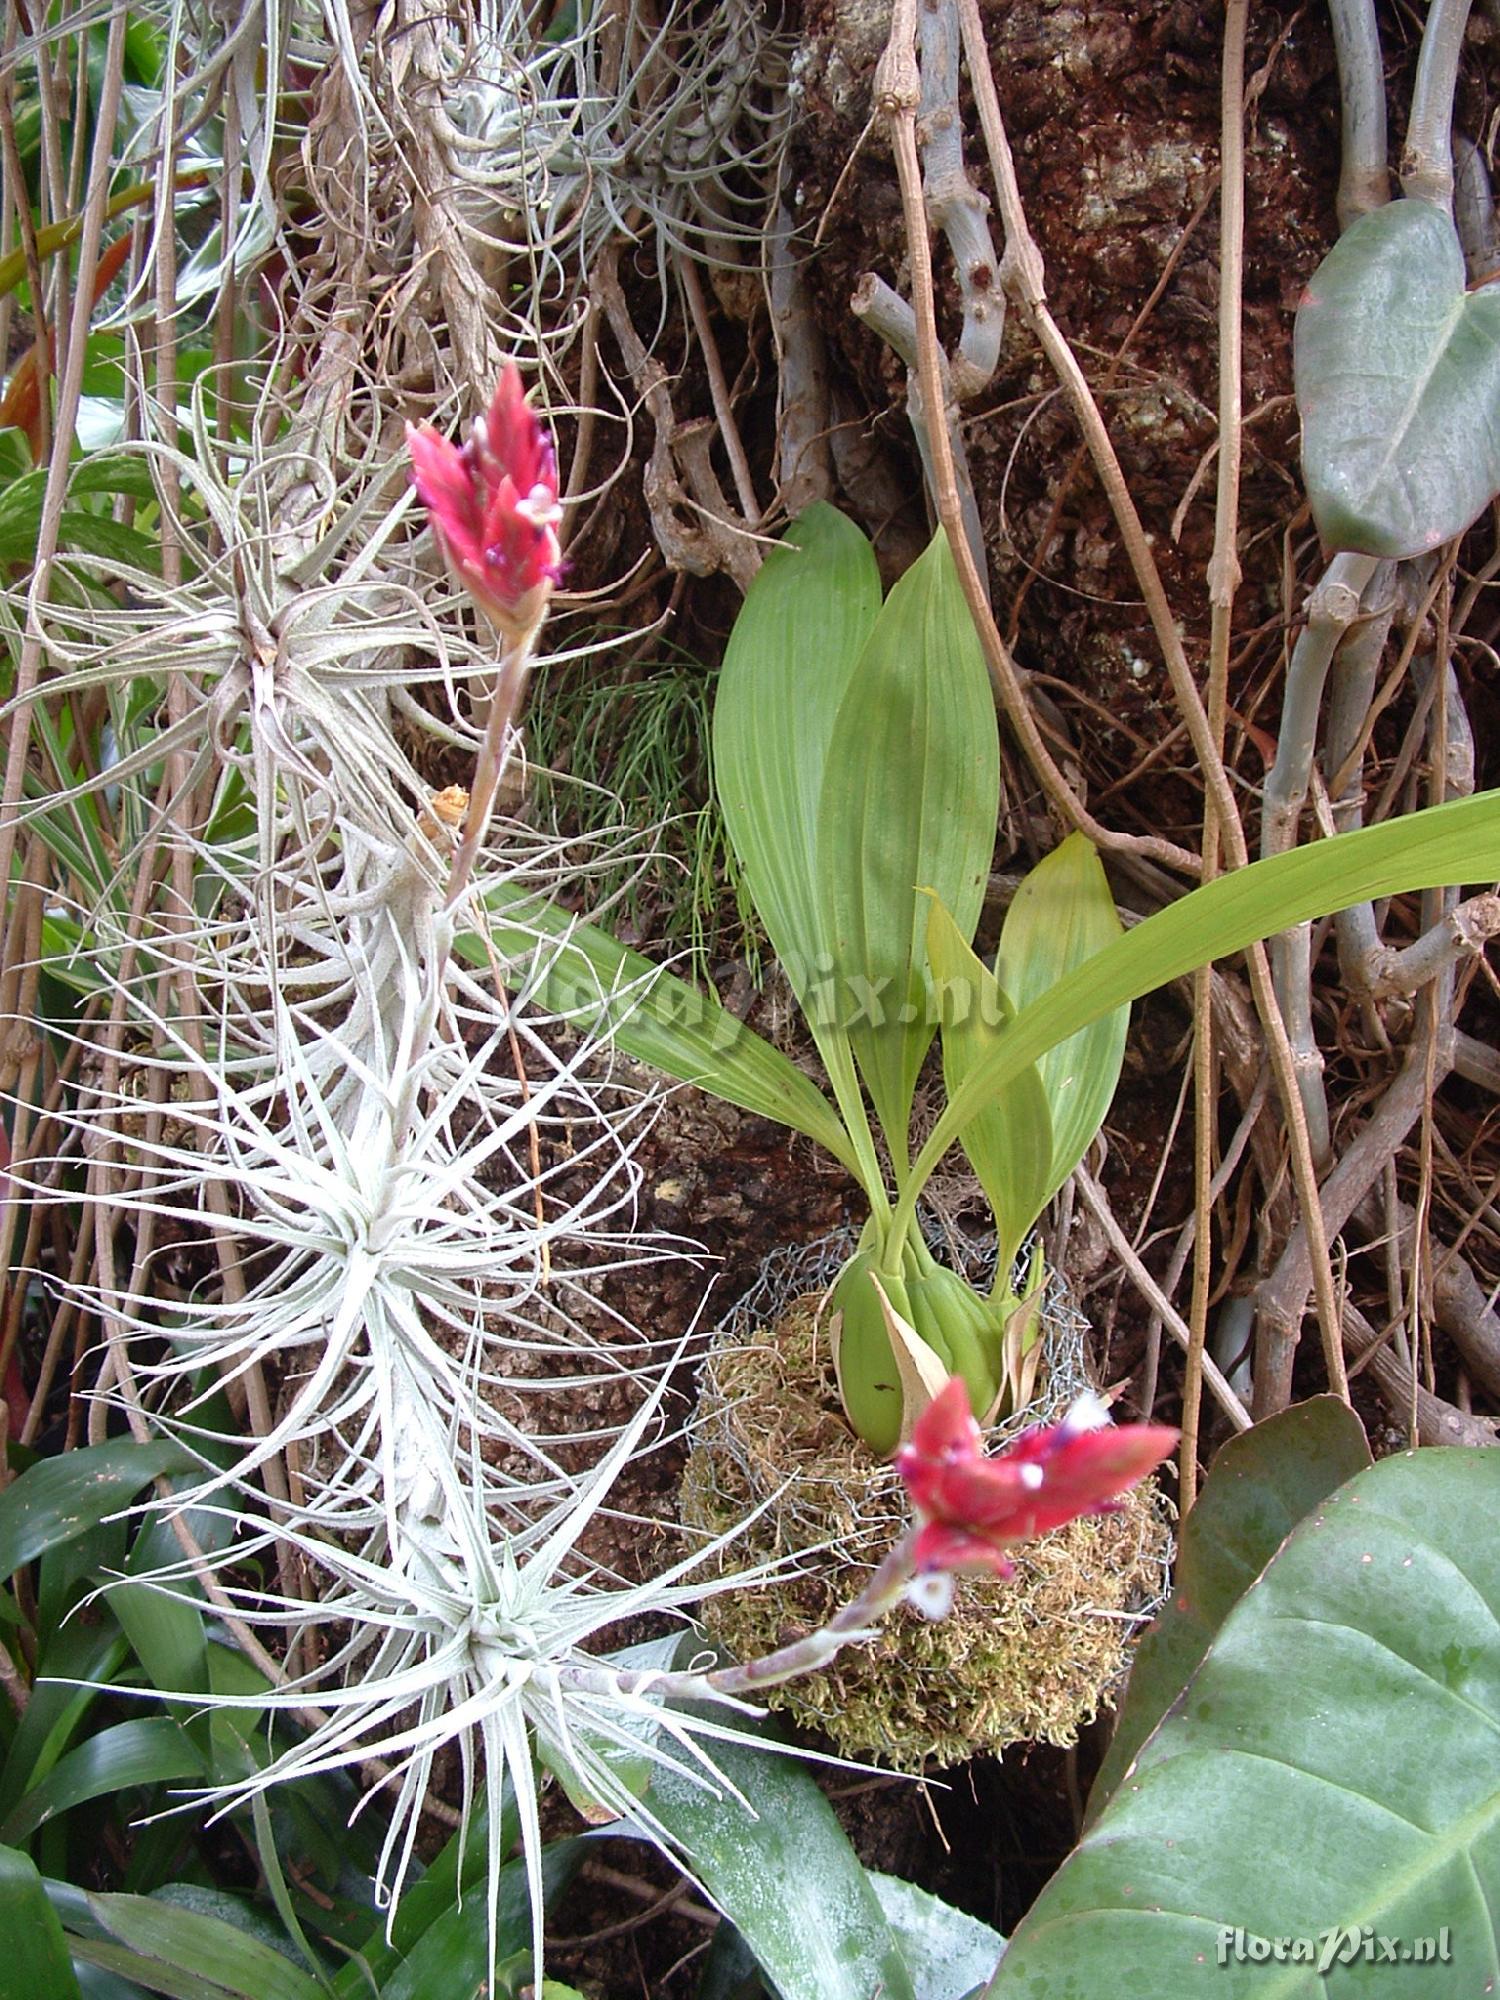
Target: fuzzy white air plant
{"type": "Point", "coordinates": [399, 1190]}
{"type": "Point", "coordinates": [371, 1151]}
{"type": "Point", "coordinates": [486, 1645]}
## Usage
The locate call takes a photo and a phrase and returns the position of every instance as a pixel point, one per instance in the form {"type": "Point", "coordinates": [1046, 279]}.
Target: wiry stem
{"type": "Point", "coordinates": [494, 754]}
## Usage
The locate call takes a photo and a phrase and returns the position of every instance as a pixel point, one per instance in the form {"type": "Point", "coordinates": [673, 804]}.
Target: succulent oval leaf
{"type": "Point", "coordinates": [1398, 382]}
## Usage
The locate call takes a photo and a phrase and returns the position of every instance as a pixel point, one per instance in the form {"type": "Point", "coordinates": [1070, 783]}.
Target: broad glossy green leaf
{"type": "Point", "coordinates": [1062, 916]}
{"type": "Point", "coordinates": [149, 1750]}
{"type": "Point", "coordinates": [584, 974]}
{"type": "Point", "coordinates": [203, 1947]}
{"type": "Point", "coordinates": [911, 795]}
{"type": "Point", "coordinates": [1009, 1143]}
{"type": "Point", "coordinates": [62, 1497]}
{"type": "Point", "coordinates": [1435, 848]}
{"type": "Point", "coordinates": [1398, 383]}
{"type": "Point", "coordinates": [34, 1962]}
{"type": "Point", "coordinates": [785, 1875]}
{"type": "Point", "coordinates": [1262, 1483]}
{"type": "Point", "coordinates": [1335, 1761]}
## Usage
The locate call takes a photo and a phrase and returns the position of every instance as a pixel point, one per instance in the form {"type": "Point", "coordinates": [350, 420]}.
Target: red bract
{"type": "Point", "coordinates": [493, 506]}
{"type": "Point", "coordinates": [972, 1508]}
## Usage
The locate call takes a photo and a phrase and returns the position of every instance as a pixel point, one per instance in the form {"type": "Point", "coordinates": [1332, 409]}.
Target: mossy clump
{"type": "Point", "coordinates": [1024, 1660]}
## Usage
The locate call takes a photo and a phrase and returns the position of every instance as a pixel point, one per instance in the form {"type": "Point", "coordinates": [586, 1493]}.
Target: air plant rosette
{"type": "Point", "coordinates": [1025, 1658]}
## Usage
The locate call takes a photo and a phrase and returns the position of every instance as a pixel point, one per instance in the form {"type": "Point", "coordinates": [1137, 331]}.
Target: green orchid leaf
{"type": "Point", "coordinates": [1327, 1778]}
{"type": "Point", "coordinates": [1398, 381]}
{"type": "Point", "coordinates": [1009, 1144]}
{"type": "Point", "coordinates": [790, 660]}
{"type": "Point", "coordinates": [1262, 1483]}
{"type": "Point", "coordinates": [911, 796]}
{"type": "Point", "coordinates": [1062, 916]}
{"type": "Point", "coordinates": [1436, 848]}
{"type": "Point", "coordinates": [583, 974]}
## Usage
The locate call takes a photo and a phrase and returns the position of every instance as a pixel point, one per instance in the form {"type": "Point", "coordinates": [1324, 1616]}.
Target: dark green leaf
{"type": "Point", "coordinates": [66, 1496]}
{"type": "Point", "coordinates": [1261, 1485]}
{"type": "Point", "coordinates": [451, 1957]}
{"type": "Point", "coordinates": [34, 1963]}
{"type": "Point", "coordinates": [77, 1652]}
{"type": "Point", "coordinates": [112, 472]}
{"type": "Point", "coordinates": [147, 1751]}
{"type": "Point", "coordinates": [1398, 382]}
{"type": "Point", "coordinates": [203, 1946]}
{"type": "Point", "coordinates": [1334, 1762]}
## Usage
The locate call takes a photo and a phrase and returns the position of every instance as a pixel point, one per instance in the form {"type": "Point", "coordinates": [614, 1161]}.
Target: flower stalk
{"type": "Point", "coordinates": [494, 509]}
{"type": "Point", "coordinates": [971, 1508]}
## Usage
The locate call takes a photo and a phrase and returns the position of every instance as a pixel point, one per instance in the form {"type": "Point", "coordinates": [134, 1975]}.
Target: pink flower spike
{"type": "Point", "coordinates": [493, 506]}
{"type": "Point", "coordinates": [971, 1509]}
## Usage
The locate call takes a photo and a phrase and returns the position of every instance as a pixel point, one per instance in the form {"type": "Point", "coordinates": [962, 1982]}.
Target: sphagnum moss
{"type": "Point", "coordinates": [1023, 1660]}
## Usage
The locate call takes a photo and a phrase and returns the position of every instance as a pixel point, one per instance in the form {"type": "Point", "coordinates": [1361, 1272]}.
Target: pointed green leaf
{"type": "Point", "coordinates": [910, 800]}
{"type": "Point", "coordinates": [1262, 1483]}
{"type": "Point", "coordinates": [1009, 1143]}
{"type": "Point", "coordinates": [148, 1750]}
{"type": "Point", "coordinates": [790, 658]}
{"type": "Point", "coordinates": [948, 1953]}
{"type": "Point", "coordinates": [34, 1963]}
{"type": "Point", "coordinates": [1331, 1765]}
{"type": "Point", "coordinates": [451, 1958]}
{"type": "Point", "coordinates": [588, 977]}
{"type": "Point", "coordinates": [1063, 913]}
{"type": "Point", "coordinates": [203, 1947]}
{"type": "Point", "coordinates": [1436, 848]}
{"type": "Point", "coordinates": [781, 1869]}
{"type": "Point", "coordinates": [60, 1498]}
{"type": "Point", "coordinates": [1398, 382]}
